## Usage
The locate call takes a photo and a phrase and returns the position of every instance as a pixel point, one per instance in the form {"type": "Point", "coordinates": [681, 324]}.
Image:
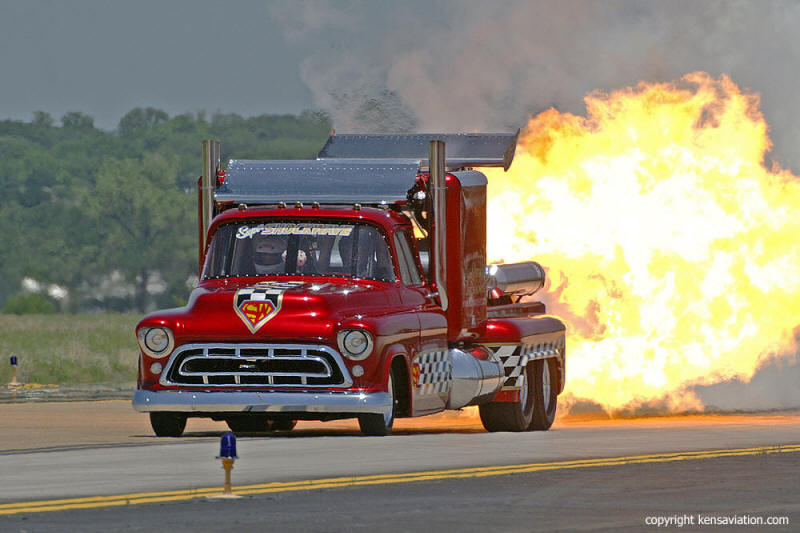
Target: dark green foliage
{"type": "Point", "coordinates": [29, 304]}
{"type": "Point", "coordinates": [141, 119]}
{"type": "Point", "coordinates": [74, 120]}
{"type": "Point", "coordinates": [80, 204]}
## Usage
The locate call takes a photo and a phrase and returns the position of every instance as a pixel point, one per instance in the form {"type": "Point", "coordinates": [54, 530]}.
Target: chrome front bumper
{"type": "Point", "coordinates": [262, 402]}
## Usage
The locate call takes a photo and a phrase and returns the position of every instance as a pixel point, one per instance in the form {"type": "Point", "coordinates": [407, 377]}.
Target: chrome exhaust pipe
{"type": "Point", "coordinates": [515, 279]}
{"type": "Point", "coordinates": [438, 189]}
{"type": "Point", "coordinates": [474, 380]}
{"type": "Point", "coordinates": [211, 164]}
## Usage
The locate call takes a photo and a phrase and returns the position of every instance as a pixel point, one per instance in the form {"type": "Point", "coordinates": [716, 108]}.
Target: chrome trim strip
{"type": "Point", "coordinates": [262, 402]}
{"type": "Point", "coordinates": [270, 348]}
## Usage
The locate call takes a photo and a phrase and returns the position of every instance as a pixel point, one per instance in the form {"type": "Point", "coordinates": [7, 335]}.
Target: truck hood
{"type": "Point", "coordinates": [238, 310]}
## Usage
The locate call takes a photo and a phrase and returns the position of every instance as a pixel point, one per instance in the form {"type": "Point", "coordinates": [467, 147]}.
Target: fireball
{"type": "Point", "coordinates": [672, 248]}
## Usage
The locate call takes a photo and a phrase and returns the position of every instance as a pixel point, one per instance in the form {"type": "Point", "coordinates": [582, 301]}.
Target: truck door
{"type": "Point", "coordinates": [430, 364]}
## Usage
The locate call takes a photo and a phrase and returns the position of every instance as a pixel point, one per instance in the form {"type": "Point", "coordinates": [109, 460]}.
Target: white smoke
{"type": "Point", "coordinates": [461, 65]}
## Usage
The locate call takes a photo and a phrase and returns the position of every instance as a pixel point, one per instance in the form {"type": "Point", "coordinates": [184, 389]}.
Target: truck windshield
{"type": "Point", "coordinates": [299, 248]}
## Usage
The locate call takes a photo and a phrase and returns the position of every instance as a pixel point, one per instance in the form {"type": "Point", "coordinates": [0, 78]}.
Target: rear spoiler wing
{"type": "Point", "coordinates": [354, 168]}
{"type": "Point", "coordinates": [464, 150]}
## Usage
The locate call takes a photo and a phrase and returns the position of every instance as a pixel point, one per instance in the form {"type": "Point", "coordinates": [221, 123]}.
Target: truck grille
{"type": "Point", "coordinates": [255, 365]}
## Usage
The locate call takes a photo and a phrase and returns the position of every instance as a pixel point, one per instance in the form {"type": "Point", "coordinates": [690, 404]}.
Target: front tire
{"type": "Point", "coordinates": [166, 424]}
{"type": "Point", "coordinates": [545, 394]}
{"type": "Point", "coordinates": [512, 416]}
{"type": "Point", "coordinates": [380, 425]}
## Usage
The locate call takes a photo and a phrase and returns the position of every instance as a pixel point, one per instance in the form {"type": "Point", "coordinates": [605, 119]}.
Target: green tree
{"type": "Point", "coordinates": [141, 119]}
{"type": "Point", "coordinates": [79, 203]}
{"type": "Point", "coordinates": [40, 118]}
{"type": "Point", "coordinates": [75, 120]}
{"type": "Point", "coordinates": [145, 222]}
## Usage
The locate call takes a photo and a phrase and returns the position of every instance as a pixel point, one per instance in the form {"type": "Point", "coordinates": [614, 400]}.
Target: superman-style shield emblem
{"type": "Point", "coordinates": [256, 314]}
{"type": "Point", "coordinates": [257, 305]}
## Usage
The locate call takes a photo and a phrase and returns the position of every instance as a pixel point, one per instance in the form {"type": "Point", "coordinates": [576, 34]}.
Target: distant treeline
{"type": "Point", "coordinates": [92, 219]}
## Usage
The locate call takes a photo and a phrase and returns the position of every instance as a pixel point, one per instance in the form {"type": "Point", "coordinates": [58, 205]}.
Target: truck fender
{"type": "Point", "coordinates": [396, 356]}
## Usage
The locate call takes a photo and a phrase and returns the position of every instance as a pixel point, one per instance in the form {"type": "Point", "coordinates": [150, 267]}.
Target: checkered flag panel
{"type": "Point", "coordinates": [516, 357]}
{"type": "Point", "coordinates": [269, 290]}
{"type": "Point", "coordinates": [434, 372]}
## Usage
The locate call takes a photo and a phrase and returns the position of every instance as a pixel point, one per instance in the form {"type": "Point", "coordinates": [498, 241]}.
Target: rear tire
{"type": "Point", "coordinates": [249, 423]}
{"type": "Point", "coordinates": [511, 416]}
{"type": "Point", "coordinates": [380, 425]}
{"type": "Point", "coordinates": [545, 394]}
{"type": "Point", "coordinates": [166, 424]}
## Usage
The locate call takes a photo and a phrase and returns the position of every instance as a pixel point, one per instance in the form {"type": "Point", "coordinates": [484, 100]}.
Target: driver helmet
{"type": "Point", "coordinates": [269, 253]}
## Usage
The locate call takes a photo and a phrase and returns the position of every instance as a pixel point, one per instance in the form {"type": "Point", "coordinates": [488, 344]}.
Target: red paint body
{"type": "Point", "coordinates": [404, 320]}
{"type": "Point", "coordinates": [393, 312]}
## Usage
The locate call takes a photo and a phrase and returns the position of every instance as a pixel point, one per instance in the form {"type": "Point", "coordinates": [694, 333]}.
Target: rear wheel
{"type": "Point", "coordinates": [249, 423]}
{"type": "Point", "coordinates": [168, 424]}
{"type": "Point", "coordinates": [379, 425]}
{"type": "Point", "coordinates": [512, 416]}
{"type": "Point", "coordinates": [545, 394]}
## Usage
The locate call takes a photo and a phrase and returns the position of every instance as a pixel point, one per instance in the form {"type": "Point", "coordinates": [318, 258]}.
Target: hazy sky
{"type": "Point", "coordinates": [451, 64]}
{"type": "Point", "coordinates": [106, 57]}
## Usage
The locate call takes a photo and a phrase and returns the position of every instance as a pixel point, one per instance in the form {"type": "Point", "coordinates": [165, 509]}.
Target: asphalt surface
{"type": "Point", "coordinates": [602, 496]}
{"type": "Point", "coordinates": [599, 499]}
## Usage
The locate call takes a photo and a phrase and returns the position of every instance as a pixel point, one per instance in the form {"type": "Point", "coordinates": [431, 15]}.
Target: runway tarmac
{"type": "Point", "coordinates": [103, 449]}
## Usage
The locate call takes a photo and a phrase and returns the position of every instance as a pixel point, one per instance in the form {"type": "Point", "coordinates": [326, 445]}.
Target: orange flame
{"type": "Point", "coordinates": [673, 253]}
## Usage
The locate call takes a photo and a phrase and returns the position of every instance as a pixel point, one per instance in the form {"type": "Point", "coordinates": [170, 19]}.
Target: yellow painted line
{"type": "Point", "coordinates": [378, 479]}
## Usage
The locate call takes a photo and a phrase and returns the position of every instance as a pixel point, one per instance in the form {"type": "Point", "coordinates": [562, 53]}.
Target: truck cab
{"type": "Point", "coordinates": [353, 286]}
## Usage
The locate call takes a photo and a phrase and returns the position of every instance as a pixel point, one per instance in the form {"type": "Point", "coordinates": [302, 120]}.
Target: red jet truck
{"type": "Point", "coordinates": [353, 286]}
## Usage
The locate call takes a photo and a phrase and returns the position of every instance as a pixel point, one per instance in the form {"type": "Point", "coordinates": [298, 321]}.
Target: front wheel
{"type": "Point", "coordinates": [168, 424]}
{"type": "Point", "coordinates": [545, 394]}
{"type": "Point", "coordinates": [379, 425]}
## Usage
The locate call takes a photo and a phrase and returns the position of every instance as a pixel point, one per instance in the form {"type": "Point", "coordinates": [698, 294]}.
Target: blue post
{"type": "Point", "coordinates": [14, 382]}
{"type": "Point", "coordinates": [227, 452]}
{"type": "Point", "coordinates": [227, 446]}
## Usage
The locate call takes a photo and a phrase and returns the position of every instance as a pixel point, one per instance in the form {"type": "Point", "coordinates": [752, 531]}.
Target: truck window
{"type": "Point", "coordinates": [215, 265]}
{"type": "Point", "coordinates": [299, 248]}
{"type": "Point", "coordinates": [405, 258]}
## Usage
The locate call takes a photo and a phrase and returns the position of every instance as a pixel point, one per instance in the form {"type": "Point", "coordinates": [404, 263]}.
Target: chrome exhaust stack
{"type": "Point", "coordinates": [438, 189]}
{"type": "Point", "coordinates": [211, 165]}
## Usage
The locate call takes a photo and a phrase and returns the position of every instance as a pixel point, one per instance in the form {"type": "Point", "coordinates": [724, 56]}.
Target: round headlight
{"type": "Point", "coordinates": [156, 341]}
{"type": "Point", "coordinates": [355, 344]}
